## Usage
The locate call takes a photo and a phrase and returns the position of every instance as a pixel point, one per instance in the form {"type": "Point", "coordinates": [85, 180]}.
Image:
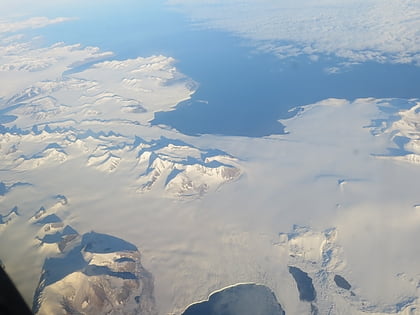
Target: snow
{"type": "Point", "coordinates": [333, 262]}
{"type": "Point", "coordinates": [205, 212]}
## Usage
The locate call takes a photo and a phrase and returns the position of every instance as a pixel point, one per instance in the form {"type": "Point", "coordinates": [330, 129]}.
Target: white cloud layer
{"type": "Point", "coordinates": [31, 23]}
{"type": "Point", "coordinates": [380, 30]}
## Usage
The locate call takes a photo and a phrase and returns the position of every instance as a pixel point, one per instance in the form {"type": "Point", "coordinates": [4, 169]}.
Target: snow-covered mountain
{"type": "Point", "coordinates": [78, 154]}
{"type": "Point", "coordinates": [179, 169]}
{"type": "Point", "coordinates": [403, 127]}
{"type": "Point", "coordinates": [97, 274]}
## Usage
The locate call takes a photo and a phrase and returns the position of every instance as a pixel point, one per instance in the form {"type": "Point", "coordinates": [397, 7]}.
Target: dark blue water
{"type": "Point", "coordinates": [240, 92]}
{"type": "Point", "coordinates": [249, 97]}
{"type": "Point", "coordinates": [304, 284]}
{"type": "Point", "coordinates": [341, 282]}
{"type": "Point", "coordinates": [236, 300]}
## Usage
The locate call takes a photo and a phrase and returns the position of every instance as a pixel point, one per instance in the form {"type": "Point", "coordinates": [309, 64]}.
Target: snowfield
{"type": "Point", "coordinates": [102, 213]}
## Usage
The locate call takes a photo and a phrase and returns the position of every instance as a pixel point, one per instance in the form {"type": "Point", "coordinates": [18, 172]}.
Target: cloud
{"type": "Point", "coordinates": [31, 23]}
{"type": "Point", "coordinates": [326, 172]}
{"type": "Point", "coordinates": [385, 31]}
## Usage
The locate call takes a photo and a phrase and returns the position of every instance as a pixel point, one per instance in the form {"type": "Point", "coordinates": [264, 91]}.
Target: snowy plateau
{"type": "Point", "coordinates": [102, 213]}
